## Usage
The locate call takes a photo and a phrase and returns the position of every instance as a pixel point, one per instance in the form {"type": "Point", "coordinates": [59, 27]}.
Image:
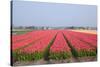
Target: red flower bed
{"type": "Point", "coordinates": [89, 38]}
{"type": "Point", "coordinates": [34, 37]}
{"type": "Point", "coordinates": [59, 44]}
{"type": "Point", "coordinates": [36, 50]}
{"type": "Point", "coordinates": [82, 48]}
{"type": "Point", "coordinates": [53, 44]}
{"type": "Point", "coordinates": [16, 38]}
{"type": "Point", "coordinates": [59, 48]}
{"type": "Point", "coordinates": [40, 45]}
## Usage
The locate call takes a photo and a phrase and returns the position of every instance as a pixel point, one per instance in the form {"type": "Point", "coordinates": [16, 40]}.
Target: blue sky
{"type": "Point", "coordinates": [28, 13]}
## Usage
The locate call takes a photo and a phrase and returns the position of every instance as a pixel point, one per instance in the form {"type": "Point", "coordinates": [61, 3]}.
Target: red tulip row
{"type": "Point", "coordinates": [41, 44]}
{"type": "Point", "coordinates": [60, 48]}
{"type": "Point", "coordinates": [91, 39]}
{"type": "Point", "coordinates": [90, 36]}
{"type": "Point", "coordinates": [34, 37]}
{"type": "Point", "coordinates": [60, 44]}
{"type": "Point", "coordinates": [16, 38]}
{"type": "Point", "coordinates": [80, 46]}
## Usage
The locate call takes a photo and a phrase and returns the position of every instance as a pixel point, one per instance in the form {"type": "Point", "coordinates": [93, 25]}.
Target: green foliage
{"type": "Point", "coordinates": [27, 56]}
{"type": "Point", "coordinates": [38, 55]}
{"type": "Point", "coordinates": [84, 53]}
{"type": "Point", "coordinates": [60, 55]}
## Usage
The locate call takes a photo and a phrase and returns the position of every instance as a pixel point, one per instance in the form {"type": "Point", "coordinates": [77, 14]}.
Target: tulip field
{"type": "Point", "coordinates": [53, 45]}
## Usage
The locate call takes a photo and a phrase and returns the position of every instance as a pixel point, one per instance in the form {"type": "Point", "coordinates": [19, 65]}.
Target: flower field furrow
{"type": "Point", "coordinates": [60, 49]}
{"type": "Point", "coordinates": [59, 44]}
